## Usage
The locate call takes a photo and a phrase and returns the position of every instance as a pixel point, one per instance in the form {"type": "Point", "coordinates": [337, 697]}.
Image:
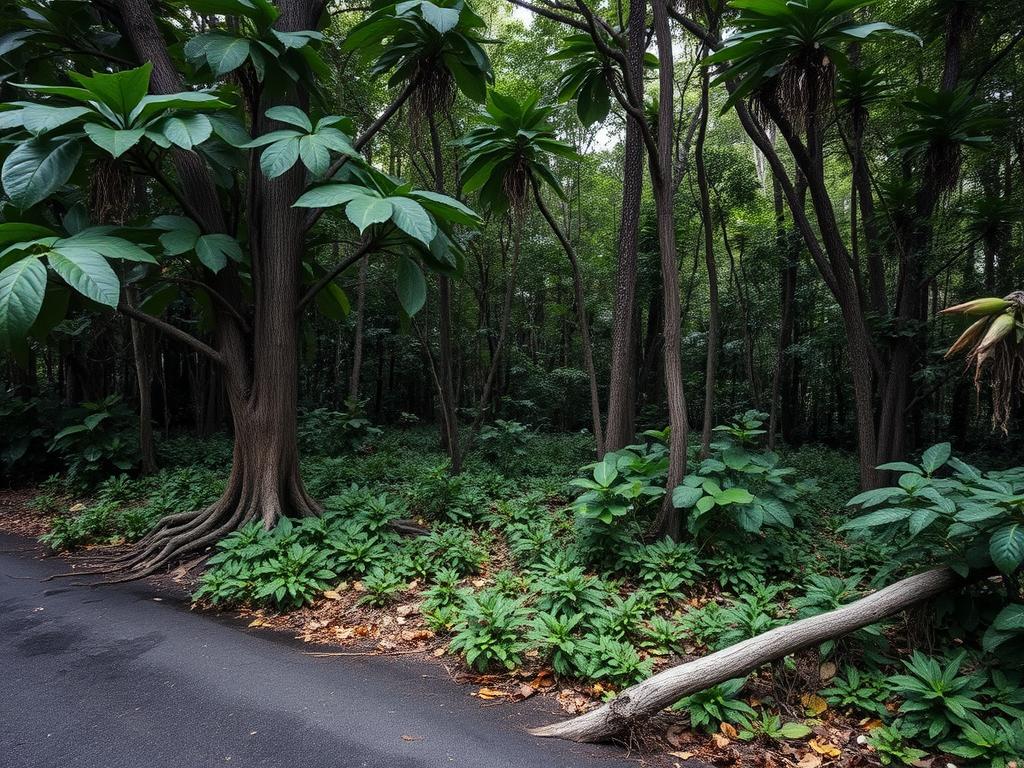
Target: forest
{"type": "Point", "coordinates": [657, 359]}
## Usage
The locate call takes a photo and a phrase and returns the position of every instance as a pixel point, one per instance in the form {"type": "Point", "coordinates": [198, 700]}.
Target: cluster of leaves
{"type": "Point", "coordinates": [124, 509]}
{"type": "Point", "coordinates": [99, 441]}
{"type": "Point", "coordinates": [739, 488]}
{"type": "Point", "coordinates": [323, 431]}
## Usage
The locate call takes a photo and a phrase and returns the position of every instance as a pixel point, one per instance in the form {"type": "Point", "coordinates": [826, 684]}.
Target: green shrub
{"type": "Point", "coordinates": [569, 592]}
{"type": "Point", "coordinates": [709, 708]}
{"type": "Point", "coordinates": [851, 688]}
{"type": "Point", "coordinates": [504, 443]}
{"type": "Point", "coordinates": [738, 489]}
{"type": "Point", "coordinates": [555, 636]}
{"type": "Point", "coordinates": [615, 660]}
{"type": "Point", "coordinates": [490, 632]}
{"type": "Point", "coordinates": [382, 587]}
{"type": "Point", "coordinates": [937, 700]}
{"type": "Point", "coordinates": [770, 726]}
{"type": "Point", "coordinates": [100, 439]}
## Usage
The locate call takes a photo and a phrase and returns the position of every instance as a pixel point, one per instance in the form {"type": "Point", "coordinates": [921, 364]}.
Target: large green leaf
{"type": "Point", "coordinates": [186, 131]}
{"type": "Point", "coordinates": [332, 302]}
{"type": "Point", "coordinates": [314, 155]}
{"type": "Point", "coordinates": [22, 287]}
{"type": "Point", "coordinates": [881, 517]}
{"type": "Point", "coordinates": [89, 274]}
{"type": "Point", "coordinates": [121, 91]}
{"type": "Point", "coordinates": [279, 157]}
{"type": "Point", "coordinates": [37, 168]}
{"type": "Point", "coordinates": [180, 234]}
{"type": "Point", "coordinates": [105, 245]}
{"type": "Point", "coordinates": [42, 118]}
{"type": "Point", "coordinates": [410, 217]}
{"type": "Point", "coordinates": [18, 232]}
{"type": "Point", "coordinates": [936, 456]}
{"type": "Point", "coordinates": [1007, 547]}
{"type": "Point", "coordinates": [116, 141]}
{"type": "Point", "coordinates": [328, 195]}
{"type": "Point", "coordinates": [291, 115]}
{"type": "Point", "coordinates": [152, 104]}
{"type": "Point", "coordinates": [733, 496]}
{"type": "Point", "coordinates": [411, 287]}
{"type": "Point", "coordinates": [215, 250]}
{"type": "Point", "coordinates": [366, 210]}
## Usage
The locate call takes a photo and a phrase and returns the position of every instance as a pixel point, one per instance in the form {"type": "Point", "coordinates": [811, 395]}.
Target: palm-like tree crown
{"type": "Point", "coordinates": [510, 147]}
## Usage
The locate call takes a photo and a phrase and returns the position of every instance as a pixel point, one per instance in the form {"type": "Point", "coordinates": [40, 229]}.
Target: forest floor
{"type": "Point", "coordinates": [503, 530]}
{"type": "Point", "coordinates": [339, 631]}
{"type": "Point", "coordinates": [126, 675]}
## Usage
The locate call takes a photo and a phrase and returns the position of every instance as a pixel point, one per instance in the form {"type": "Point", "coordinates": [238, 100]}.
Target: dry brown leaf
{"type": "Point", "coordinates": [824, 748]}
{"type": "Point", "coordinates": [405, 610]}
{"type": "Point", "coordinates": [544, 679]}
{"type": "Point", "coordinates": [525, 691]}
{"type": "Point", "coordinates": [814, 704]}
{"type": "Point", "coordinates": [415, 635]}
{"type": "Point", "coordinates": [331, 594]}
{"type": "Point", "coordinates": [682, 755]}
{"type": "Point", "coordinates": [728, 729]}
{"type": "Point", "coordinates": [257, 623]}
{"type": "Point", "coordinates": [438, 652]}
{"type": "Point", "coordinates": [809, 760]}
{"type": "Point", "coordinates": [869, 724]}
{"type": "Point", "coordinates": [719, 740]}
{"type": "Point", "coordinates": [827, 671]}
{"type": "Point", "coordinates": [490, 693]}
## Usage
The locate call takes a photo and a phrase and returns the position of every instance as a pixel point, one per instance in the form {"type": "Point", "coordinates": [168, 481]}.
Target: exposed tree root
{"type": "Point", "coordinates": [181, 534]}
{"type": "Point", "coordinates": [639, 702]}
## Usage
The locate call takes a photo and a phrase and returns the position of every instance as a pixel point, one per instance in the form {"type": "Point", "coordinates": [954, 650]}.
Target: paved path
{"type": "Point", "coordinates": [112, 677]}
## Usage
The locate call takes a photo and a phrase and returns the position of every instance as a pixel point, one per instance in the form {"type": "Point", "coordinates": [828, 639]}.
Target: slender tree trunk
{"type": "Point", "coordinates": [449, 422]}
{"type": "Point", "coordinates": [787, 290]}
{"type": "Point", "coordinates": [142, 352]}
{"type": "Point", "coordinates": [714, 311]}
{"type": "Point", "coordinates": [506, 313]}
{"type": "Point", "coordinates": [620, 425]}
{"type": "Point", "coordinates": [581, 315]}
{"type": "Point", "coordinates": [669, 519]}
{"type": "Point", "coordinates": [357, 341]}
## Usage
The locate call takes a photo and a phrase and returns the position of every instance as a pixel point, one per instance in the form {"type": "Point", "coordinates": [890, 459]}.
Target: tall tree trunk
{"type": "Point", "coordinates": [669, 520]}
{"type": "Point", "coordinates": [506, 313]}
{"type": "Point", "coordinates": [714, 311]}
{"type": "Point", "coordinates": [787, 291]}
{"type": "Point", "coordinates": [620, 425]}
{"type": "Point", "coordinates": [261, 379]}
{"type": "Point", "coordinates": [581, 315]}
{"type": "Point", "coordinates": [142, 343]}
{"type": "Point", "coordinates": [449, 421]}
{"type": "Point", "coordinates": [357, 341]}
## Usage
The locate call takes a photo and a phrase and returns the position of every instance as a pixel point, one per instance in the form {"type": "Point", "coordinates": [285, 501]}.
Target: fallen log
{"type": "Point", "coordinates": [645, 699]}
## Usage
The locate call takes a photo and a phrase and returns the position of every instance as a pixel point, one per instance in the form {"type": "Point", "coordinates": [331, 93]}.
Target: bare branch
{"type": "Point", "coordinates": [175, 333]}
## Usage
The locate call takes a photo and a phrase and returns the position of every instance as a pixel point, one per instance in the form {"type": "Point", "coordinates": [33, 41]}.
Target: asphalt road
{"type": "Point", "coordinates": [127, 676]}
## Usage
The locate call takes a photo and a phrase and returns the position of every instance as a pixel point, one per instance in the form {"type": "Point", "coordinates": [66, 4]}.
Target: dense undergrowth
{"type": "Point", "coordinates": [531, 561]}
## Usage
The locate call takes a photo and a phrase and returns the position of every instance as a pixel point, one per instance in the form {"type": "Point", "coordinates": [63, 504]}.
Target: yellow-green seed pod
{"type": "Point", "coordinates": [968, 338]}
{"type": "Point", "coordinates": [987, 306]}
{"type": "Point", "coordinates": [999, 328]}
